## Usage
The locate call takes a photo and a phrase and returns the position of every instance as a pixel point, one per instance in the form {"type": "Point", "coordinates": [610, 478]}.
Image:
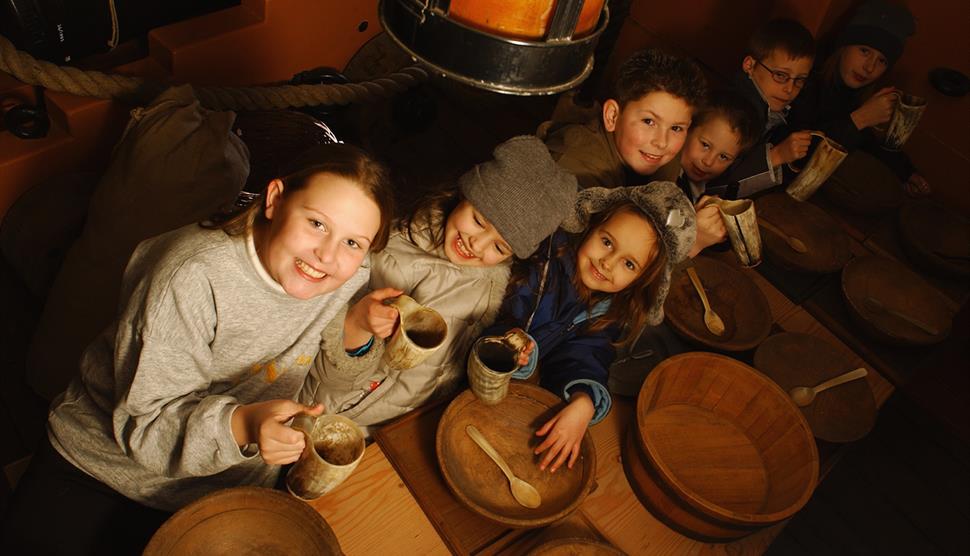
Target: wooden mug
{"type": "Point", "coordinates": [827, 157]}
{"type": "Point", "coordinates": [334, 446]}
{"type": "Point", "coordinates": [741, 224]}
{"type": "Point", "coordinates": [492, 361]}
{"type": "Point", "coordinates": [420, 332]}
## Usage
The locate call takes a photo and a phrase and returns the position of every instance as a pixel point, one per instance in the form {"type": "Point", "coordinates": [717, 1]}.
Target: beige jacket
{"type": "Point", "coordinates": [467, 297]}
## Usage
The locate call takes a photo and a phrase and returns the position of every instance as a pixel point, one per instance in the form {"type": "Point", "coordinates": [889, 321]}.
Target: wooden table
{"type": "Point", "coordinates": [375, 513]}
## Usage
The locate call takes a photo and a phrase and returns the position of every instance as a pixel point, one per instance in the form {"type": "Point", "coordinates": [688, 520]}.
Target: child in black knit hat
{"type": "Point", "coordinates": [846, 103]}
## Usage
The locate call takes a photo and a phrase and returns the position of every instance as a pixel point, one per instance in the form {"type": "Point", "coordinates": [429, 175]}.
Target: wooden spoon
{"type": "Point", "coordinates": [804, 395]}
{"type": "Point", "coordinates": [523, 492]}
{"type": "Point", "coordinates": [796, 244]}
{"type": "Point", "coordinates": [877, 306]}
{"type": "Point", "coordinates": [711, 319]}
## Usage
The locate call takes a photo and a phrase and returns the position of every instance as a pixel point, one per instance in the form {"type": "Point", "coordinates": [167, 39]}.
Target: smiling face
{"type": "Point", "coordinates": [648, 131]}
{"type": "Point", "coordinates": [710, 149]}
{"type": "Point", "coordinates": [777, 95]}
{"type": "Point", "coordinates": [616, 252]}
{"type": "Point", "coordinates": [860, 65]}
{"type": "Point", "coordinates": [316, 237]}
{"type": "Point", "coordinates": [471, 240]}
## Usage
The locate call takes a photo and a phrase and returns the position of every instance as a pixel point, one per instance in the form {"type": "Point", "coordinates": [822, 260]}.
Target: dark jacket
{"type": "Point", "coordinates": [572, 357]}
{"type": "Point", "coordinates": [826, 106]}
{"type": "Point", "coordinates": [750, 172]}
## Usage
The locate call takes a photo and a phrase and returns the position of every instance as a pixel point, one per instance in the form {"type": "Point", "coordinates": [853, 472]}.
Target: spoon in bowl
{"type": "Point", "coordinates": [796, 244]}
{"type": "Point", "coordinates": [804, 395]}
{"type": "Point", "coordinates": [712, 320]}
{"type": "Point", "coordinates": [523, 492]}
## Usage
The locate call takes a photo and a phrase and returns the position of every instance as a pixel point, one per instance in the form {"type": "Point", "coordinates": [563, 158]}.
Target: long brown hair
{"type": "Point", "coordinates": [629, 306]}
{"type": "Point", "coordinates": [346, 161]}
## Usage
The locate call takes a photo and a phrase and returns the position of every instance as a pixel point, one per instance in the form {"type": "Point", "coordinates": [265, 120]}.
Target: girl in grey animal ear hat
{"type": "Point", "coordinates": [586, 293]}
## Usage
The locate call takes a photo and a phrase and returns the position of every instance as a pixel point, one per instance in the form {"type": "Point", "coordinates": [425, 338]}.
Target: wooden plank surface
{"type": "Point", "coordinates": [374, 513]}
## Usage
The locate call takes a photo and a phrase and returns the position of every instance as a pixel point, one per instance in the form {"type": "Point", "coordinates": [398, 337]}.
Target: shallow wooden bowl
{"type": "Point", "coordinates": [841, 414]}
{"type": "Point", "coordinates": [935, 237]}
{"type": "Point", "coordinates": [863, 184]}
{"type": "Point", "coordinates": [244, 520]}
{"type": "Point", "coordinates": [719, 450]}
{"type": "Point", "coordinates": [827, 244]}
{"type": "Point", "coordinates": [896, 288]}
{"type": "Point", "coordinates": [733, 296]}
{"type": "Point", "coordinates": [510, 427]}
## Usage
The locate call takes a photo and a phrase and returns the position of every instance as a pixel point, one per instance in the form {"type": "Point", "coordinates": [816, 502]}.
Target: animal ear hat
{"type": "Point", "coordinates": [665, 205]}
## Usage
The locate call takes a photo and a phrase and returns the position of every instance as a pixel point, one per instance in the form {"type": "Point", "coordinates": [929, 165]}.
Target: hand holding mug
{"type": "Point", "coordinates": [710, 225]}
{"type": "Point", "coordinates": [370, 317]}
{"type": "Point", "coordinates": [263, 423]}
{"type": "Point", "coordinates": [877, 110]}
{"type": "Point", "coordinates": [794, 147]}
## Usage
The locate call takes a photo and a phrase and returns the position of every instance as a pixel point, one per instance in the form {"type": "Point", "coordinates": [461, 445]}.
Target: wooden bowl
{"type": "Point", "coordinates": [733, 296]}
{"type": "Point", "coordinates": [842, 414]}
{"type": "Point", "coordinates": [828, 246]}
{"type": "Point", "coordinates": [574, 547]}
{"type": "Point", "coordinates": [718, 450]}
{"type": "Point", "coordinates": [863, 184]}
{"type": "Point", "coordinates": [244, 520]}
{"type": "Point", "coordinates": [510, 427]}
{"type": "Point", "coordinates": [935, 237]}
{"type": "Point", "coordinates": [900, 290]}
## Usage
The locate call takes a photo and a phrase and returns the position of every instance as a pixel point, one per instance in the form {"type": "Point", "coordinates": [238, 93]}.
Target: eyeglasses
{"type": "Point", "coordinates": [782, 77]}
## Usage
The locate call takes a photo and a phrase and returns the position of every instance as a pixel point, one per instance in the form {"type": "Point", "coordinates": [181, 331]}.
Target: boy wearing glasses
{"type": "Point", "coordinates": [780, 57]}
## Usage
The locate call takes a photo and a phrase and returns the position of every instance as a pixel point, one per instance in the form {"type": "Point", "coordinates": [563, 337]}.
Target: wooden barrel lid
{"type": "Point", "coordinates": [893, 303]}
{"type": "Point", "coordinates": [841, 414]}
{"type": "Point", "coordinates": [733, 296]}
{"type": "Point", "coordinates": [244, 520]}
{"type": "Point", "coordinates": [827, 244]}
{"type": "Point", "coordinates": [862, 183]}
{"type": "Point", "coordinates": [510, 425]}
{"type": "Point", "coordinates": [936, 237]}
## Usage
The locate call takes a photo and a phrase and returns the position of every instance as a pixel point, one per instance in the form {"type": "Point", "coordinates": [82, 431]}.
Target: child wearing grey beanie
{"type": "Point", "coordinates": [452, 254]}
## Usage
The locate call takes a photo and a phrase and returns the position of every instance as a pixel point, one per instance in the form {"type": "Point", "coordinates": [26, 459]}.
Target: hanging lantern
{"type": "Point", "coordinates": [521, 47]}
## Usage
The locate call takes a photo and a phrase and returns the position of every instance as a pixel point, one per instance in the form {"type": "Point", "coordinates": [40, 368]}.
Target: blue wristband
{"type": "Point", "coordinates": [362, 350]}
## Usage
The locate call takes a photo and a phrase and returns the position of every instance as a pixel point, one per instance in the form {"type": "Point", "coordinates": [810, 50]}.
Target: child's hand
{"type": "Point", "coordinates": [877, 110]}
{"type": "Point", "coordinates": [370, 317]}
{"type": "Point", "coordinates": [794, 146]}
{"type": "Point", "coordinates": [917, 186]}
{"type": "Point", "coordinates": [263, 423]}
{"type": "Point", "coordinates": [564, 432]}
{"type": "Point", "coordinates": [710, 226]}
{"type": "Point", "coordinates": [523, 355]}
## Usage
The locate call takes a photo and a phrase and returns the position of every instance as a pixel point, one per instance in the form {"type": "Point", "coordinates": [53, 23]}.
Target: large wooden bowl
{"type": "Point", "coordinates": [863, 184]}
{"type": "Point", "coordinates": [718, 450]}
{"type": "Point", "coordinates": [244, 520]}
{"type": "Point", "coordinates": [733, 296]}
{"type": "Point", "coordinates": [935, 237]}
{"type": "Point", "coordinates": [841, 414]}
{"type": "Point", "coordinates": [895, 288]}
{"type": "Point", "coordinates": [826, 242]}
{"type": "Point", "coordinates": [510, 427]}
{"type": "Point", "coordinates": [574, 547]}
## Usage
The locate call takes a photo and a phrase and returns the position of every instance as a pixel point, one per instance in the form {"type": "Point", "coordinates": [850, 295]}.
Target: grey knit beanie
{"type": "Point", "coordinates": [667, 208]}
{"type": "Point", "coordinates": [880, 25]}
{"type": "Point", "coordinates": [522, 192]}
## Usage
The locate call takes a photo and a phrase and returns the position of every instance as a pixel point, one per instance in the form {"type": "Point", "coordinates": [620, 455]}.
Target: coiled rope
{"type": "Point", "coordinates": [136, 90]}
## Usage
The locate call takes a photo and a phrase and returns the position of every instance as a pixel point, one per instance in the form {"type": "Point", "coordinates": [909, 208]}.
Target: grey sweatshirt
{"type": "Point", "coordinates": [202, 330]}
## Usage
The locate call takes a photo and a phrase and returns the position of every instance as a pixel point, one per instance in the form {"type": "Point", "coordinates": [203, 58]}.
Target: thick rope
{"type": "Point", "coordinates": [32, 71]}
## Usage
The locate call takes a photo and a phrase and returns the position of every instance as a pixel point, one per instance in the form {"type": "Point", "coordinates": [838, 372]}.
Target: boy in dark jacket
{"type": "Point", "coordinates": [780, 57]}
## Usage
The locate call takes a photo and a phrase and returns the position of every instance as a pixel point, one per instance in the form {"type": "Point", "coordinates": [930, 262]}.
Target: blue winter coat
{"type": "Point", "coordinates": [572, 357]}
